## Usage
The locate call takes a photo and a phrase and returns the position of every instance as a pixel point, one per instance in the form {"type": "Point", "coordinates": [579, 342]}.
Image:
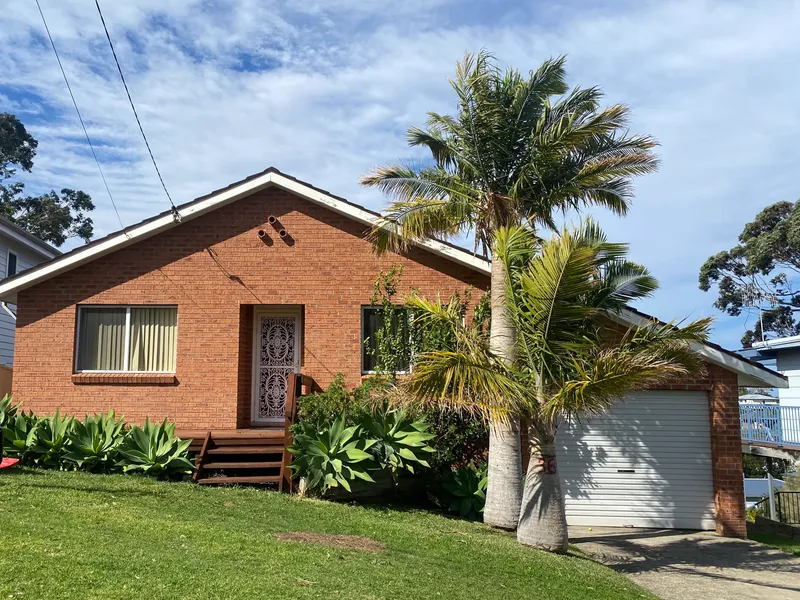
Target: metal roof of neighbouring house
{"type": "Point", "coordinates": [751, 373]}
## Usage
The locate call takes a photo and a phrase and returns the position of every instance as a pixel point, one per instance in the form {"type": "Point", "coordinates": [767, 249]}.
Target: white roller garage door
{"type": "Point", "coordinates": [647, 463]}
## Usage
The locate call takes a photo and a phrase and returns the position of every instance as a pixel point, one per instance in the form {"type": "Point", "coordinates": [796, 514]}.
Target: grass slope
{"type": "Point", "coordinates": [75, 535]}
{"type": "Point", "coordinates": [776, 541]}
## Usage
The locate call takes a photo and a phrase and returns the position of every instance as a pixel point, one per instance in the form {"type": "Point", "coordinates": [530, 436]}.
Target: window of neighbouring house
{"type": "Point", "coordinates": [11, 264]}
{"type": "Point", "coordinates": [373, 321]}
{"type": "Point", "coordinates": [127, 338]}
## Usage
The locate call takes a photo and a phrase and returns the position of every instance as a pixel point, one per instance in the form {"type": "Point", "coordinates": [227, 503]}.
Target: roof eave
{"type": "Point", "coordinates": [749, 374]}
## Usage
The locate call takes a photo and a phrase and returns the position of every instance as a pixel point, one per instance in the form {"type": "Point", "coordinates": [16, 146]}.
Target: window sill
{"type": "Point", "coordinates": [124, 379]}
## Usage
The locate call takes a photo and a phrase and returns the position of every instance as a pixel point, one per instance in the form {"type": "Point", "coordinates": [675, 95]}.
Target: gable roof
{"type": "Point", "coordinates": [166, 220]}
{"type": "Point", "coordinates": [30, 241]}
{"type": "Point", "coordinates": [751, 373]}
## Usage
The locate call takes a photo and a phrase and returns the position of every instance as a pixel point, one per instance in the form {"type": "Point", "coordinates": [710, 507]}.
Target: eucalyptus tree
{"type": "Point", "coordinates": [519, 150]}
{"type": "Point", "coordinates": [573, 357]}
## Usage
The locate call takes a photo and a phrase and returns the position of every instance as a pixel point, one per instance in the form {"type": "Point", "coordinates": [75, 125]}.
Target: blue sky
{"type": "Point", "coordinates": [324, 90]}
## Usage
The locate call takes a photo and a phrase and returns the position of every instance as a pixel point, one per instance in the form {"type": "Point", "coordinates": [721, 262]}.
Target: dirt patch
{"type": "Point", "coordinates": [341, 541]}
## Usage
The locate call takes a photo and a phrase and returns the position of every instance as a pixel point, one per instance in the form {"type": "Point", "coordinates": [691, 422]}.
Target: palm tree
{"type": "Point", "coordinates": [519, 150]}
{"type": "Point", "coordinates": [571, 359]}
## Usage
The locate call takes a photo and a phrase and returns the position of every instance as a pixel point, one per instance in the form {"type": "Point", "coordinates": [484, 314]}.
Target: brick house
{"type": "Point", "coordinates": [200, 315]}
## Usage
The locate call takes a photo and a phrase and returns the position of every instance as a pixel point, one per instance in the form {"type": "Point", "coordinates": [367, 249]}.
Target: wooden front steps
{"type": "Point", "coordinates": [250, 456]}
{"type": "Point", "coordinates": [242, 456]}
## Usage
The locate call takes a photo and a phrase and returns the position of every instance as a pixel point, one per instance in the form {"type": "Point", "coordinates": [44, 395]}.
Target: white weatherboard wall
{"type": "Point", "coordinates": [25, 260]}
{"type": "Point", "coordinates": [788, 363]}
{"type": "Point", "coordinates": [647, 463]}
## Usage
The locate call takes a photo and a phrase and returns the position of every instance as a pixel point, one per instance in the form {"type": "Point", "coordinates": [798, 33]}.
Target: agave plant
{"type": "Point", "coordinates": [401, 441]}
{"type": "Point", "coordinates": [19, 435]}
{"type": "Point", "coordinates": [94, 442]}
{"type": "Point", "coordinates": [50, 440]}
{"type": "Point", "coordinates": [464, 490]}
{"type": "Point", "coordinates": [332, 457]}
{"type": "Point", "coordinates": [7, 410]}
{"type": "Point", "coordinates": [154, 450]}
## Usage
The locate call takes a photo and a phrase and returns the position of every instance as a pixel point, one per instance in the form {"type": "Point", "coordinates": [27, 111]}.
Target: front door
{"type": "Point", "coordinates": [276, 354]}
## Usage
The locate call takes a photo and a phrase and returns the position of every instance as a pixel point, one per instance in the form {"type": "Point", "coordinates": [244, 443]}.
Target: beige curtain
{"type": "Point", "coordinates": [101, 343]}
{"type": "Point", "coordinates": [152, 342]}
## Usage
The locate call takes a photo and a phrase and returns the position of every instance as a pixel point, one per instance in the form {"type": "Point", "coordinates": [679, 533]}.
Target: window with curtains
{"type": "Point", "coordinates": [127, 338]}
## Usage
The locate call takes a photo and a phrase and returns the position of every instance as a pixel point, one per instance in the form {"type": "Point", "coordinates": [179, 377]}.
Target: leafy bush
{"type": "Point", "coordinates": [154, 450]}
{"type": "Point", "coordinates": [50, 438]}
{"type": "Point", "coordinates": [332, 457]}
{"type": "Point", "coordinates": [401, 442]}
{"type": "Point", "coordinates": [322, 409]}
{"type": "Point", "coordinates": [459, 438]}
{"type": "Point", "coordinates": [463, 491]}
{"type": "Point", "coordinates": [19, 435]}
{"type": "Point", "coordinates": [94, 442]}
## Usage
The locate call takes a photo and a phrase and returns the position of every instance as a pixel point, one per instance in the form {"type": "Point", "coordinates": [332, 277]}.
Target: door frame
{"type": "Point", "coordinates": [285, 310]}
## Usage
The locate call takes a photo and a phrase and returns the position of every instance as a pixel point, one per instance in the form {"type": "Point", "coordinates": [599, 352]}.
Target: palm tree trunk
{"type": "Point", "coordinates": [504, 488]}
{"type": "Point", "coordinates": [542, 518]}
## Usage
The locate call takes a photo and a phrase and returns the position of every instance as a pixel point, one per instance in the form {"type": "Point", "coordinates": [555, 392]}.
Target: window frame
{"type": "Point", "coordinates": [126, 355]}
{"type": "Point", "coordinates": [9, 254]}
{"type": "Point", "coordinates": [362, 350]}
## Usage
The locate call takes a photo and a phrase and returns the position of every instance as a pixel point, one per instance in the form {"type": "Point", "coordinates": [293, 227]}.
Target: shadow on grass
{"type": "Point", "coordinates": [28, 477]}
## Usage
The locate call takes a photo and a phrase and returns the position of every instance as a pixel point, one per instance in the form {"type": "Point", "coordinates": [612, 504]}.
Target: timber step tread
{"type": "Point", "coordinates": [272, 449]}
{"type": "Point", "coordinates": [243, 465]}
{"type": "Point", "coordinates": [243, 479]}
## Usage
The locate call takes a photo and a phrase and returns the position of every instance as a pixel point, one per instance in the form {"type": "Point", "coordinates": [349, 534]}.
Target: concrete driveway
{"type": "Point", "coordinates": [695, 565]}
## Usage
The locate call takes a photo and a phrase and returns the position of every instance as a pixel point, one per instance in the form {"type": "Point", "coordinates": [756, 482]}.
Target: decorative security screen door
{"type": "Point", "coordinates": [276, 355]}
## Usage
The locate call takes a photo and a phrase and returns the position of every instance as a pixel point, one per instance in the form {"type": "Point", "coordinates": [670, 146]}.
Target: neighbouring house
{"type": "Point", "coordinates": [756, 489]}
{"type": "Point", "coordinates": [19, 250]}
{"type": "Point", "coordinates": [778, 426]}
{"type": "Point", "coordinates": [201, 315]}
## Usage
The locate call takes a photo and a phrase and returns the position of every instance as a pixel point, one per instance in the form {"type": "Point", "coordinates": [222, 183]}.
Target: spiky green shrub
{"type": "Point", "coordinates": [50, 439]}
{"type": "Point", "coordinates": [463, 491]}
{"type": "Point", "coordinates": [401, 441]}
{"type": "Point", "coordinates": [93, 443]}
{"type": "Point", "coordinates": [154, 450]}
{"type": "Point", "coordinates": [19, 435]}
{"type": "Point", "coordinates": [7, 410]}
{"type": "Point", "coordinates": [331, 457]}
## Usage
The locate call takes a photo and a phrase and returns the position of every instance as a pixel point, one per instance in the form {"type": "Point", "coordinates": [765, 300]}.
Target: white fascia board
{"type": "Point", "coordinates": [779, 343]}
{"type": "Point", "coordinates": [749, 375]}
{"type": "Point", "coordinates": [39, 249]}
{"type": "Point", "coordinates": [8, 291]}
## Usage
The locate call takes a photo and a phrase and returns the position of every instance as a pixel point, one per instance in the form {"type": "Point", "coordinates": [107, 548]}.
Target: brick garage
{"type": "Point", "coordinates": [216, 269]}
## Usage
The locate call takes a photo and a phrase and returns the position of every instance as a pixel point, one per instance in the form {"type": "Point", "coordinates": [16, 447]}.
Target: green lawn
{"type": "Point", "coordinates": [75, 535]}
{"type": "Point", "coordinates": [776, 541]}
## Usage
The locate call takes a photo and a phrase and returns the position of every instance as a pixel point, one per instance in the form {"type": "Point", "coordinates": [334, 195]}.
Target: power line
{"type": "Point", "coordinates": [135, 114]}
{"type": "Point", "coordinates": [80, 118]}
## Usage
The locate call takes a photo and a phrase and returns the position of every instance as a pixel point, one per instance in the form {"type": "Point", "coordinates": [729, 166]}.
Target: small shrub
{"type": "Point", "coordinates": [154, 450]}
{"type": "Point", "coordinates": [401, 442]}
{"type": "Point", "coordinates": [331, 457]}
{"type": "Point", "coordinates": [460, 438]}
{"type": "Point", "coordinates": [463, 491]}
{"type": "Point", "coordinates": [322, 409]}
{"type": "Point", "coordinates": [94, 442]}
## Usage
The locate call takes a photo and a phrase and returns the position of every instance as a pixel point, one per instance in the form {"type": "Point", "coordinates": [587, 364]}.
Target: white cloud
{"type": "Point", "coordinates": [325, 90]}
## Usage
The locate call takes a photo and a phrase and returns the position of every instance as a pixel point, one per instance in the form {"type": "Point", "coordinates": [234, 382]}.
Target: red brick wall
{"type": "Point", "coordinates": [726, 453]}
{"type": "Point", "coordinates": [215, 268]}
